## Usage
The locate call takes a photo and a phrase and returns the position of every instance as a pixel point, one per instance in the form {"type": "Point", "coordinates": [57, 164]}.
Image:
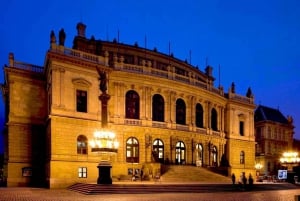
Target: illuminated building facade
{"type": "Point", "coordinates": [161, 109]}
{"type": "Point", "coordinates": [274, 136]}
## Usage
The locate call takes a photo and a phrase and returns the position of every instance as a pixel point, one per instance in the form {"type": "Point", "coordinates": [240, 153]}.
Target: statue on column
{"type": "Point", "coordinates": [103, 80]}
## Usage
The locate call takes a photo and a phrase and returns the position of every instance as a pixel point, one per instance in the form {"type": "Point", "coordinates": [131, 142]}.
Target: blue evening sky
{"type": "Point", "coordinates": [255, 42]}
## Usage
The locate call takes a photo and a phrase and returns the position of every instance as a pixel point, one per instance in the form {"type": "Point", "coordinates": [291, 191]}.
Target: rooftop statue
{"type": "Point", "coordinates": [62, 37]}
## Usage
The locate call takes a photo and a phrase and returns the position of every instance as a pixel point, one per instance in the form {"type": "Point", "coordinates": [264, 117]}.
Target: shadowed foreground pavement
{"type": "Point", "coordinates": [149, 188]}
{"type": "Point", "coordinates": [174, 192]}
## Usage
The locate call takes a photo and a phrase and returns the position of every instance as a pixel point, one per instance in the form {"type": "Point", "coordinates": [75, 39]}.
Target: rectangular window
{"type": "Point", "coordinates": [241, 128]}
{"type": "Point", "coordinates": [82, 172]}
{"type": "Point", "coordinates": [81, 101]}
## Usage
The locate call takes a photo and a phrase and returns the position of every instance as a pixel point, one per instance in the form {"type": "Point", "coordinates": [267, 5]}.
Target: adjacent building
{"type": "Point", "coordinates": [161, 109]}
{"type": "Point", "coordinates": [274, 136]}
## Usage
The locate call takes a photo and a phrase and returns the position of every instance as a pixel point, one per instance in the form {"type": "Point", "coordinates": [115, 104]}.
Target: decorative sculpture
{"type": "Point", "coordinates": [103, 80]}
{"type": "Point", "coordinates": [52, 37]}
{"type": "Point", "coordinates": [62, 37]}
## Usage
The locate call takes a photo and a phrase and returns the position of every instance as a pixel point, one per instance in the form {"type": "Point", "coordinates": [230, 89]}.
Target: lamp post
{"type": "Point", "coordinates": [258, 167]}
{"type": "Point", "coordinates": [104, 141]}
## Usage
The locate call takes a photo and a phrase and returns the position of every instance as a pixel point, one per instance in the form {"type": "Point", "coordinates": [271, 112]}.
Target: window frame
{"type": "Point", "coordinates": [242, 157]}
{"type": "Point", "coordinates": [82, 150]}
{"type": "Point", "coordinates": [199, 116]}
{"type": "Point", "coordinates": [214, 119]}
{"type": "Point", "coordinates": [132, 103]}
{"type": "Point", "coordinates": [242, 128]}
{"type": "Point", "coordinates": [82, 172]}
{"type": "Point", "coordinates": [79, 98]}
{"type": "Point", "coordinates": [158, 108]}
{"type": "Point", "coordinates": [180, 112]}
{"type": "Point", "coordinates": [132, 150]}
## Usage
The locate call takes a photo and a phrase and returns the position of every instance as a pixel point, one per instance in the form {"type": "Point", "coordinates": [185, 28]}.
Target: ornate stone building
{"type": "Point", "coordinates": [162, 110]}
{"type": "Point", "coordinates": [274, 135]}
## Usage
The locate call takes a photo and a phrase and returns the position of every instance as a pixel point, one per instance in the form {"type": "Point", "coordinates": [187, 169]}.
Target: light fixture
{"type": "Point", "coordinates": [289, 160]}
{"type": "Point", "coordinates": [258, 166]}
{"type": "Point", "coordinates": [290, 157]}
{"type": "Point", "coordinates": [104, 141]}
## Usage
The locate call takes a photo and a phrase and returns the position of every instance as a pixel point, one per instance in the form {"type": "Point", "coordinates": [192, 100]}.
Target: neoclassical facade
{"type": "Point", "coordinates": [161, 109]}
{"type": "Point", "coordinates": [274, 136]}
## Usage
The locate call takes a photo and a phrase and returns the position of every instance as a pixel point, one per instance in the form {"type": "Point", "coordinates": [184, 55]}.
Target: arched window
{"type": "Point", "coordinates": [82, 145]}
{"type": "Point", "coordinates": [242, 157]}
{"type": "Point", "coordinates": [158, 150]}
{"type": "Point", "coordinates": [158, 108]}
{"type": "Point", "coordinates": [214, 119]}
{"type": "Point", "coordinates": [132, 150]}
{"type": "Point", "coordinates": [180, 112]}
{"type": "Point", "coordinates": [132, 105]}
{"type": "Point", "coordinates": [199, 115]}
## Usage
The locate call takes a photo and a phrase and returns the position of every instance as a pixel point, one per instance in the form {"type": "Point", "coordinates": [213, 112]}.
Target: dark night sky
{"type": "Point", "coordinates": [256, 43]}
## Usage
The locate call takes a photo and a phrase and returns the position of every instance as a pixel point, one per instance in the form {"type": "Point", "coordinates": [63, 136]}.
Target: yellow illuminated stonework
{"type": "Point", "coordinates": [161, 110]}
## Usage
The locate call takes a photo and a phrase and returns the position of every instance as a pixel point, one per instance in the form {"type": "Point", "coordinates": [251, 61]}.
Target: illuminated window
{"type": "Point", "coordinates": [82, 144]}
{"type": "Point", "coordinates": [199, 115]}
{"type": "Point", "coordinates": [158, 150]}
{"type": "Point", "coordinates": [180, 112]}
{"type": "Point", "coordinates": [132, 105]}
{"type": "Point", "coordinates": [180, 153]}
{"type": "Point", "coordinates": [82, 172]}
{"type": "Point", "coordinates": [242, 157]}
{"type": "Point", "coordinates": [81, 101]}
{"type": "Point", "coordinates": [132, 150]}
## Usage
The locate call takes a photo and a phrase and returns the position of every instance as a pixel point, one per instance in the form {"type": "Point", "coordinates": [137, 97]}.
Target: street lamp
{"type": "Point", "coordinates": [258, 167]}
{"type": "Point", "coordinates": [104, 142]}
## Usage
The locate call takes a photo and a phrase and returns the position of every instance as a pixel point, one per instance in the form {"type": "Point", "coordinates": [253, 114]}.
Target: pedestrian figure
{"type": "Point", "coordinates": [142, 172]}
{"type": "Point", "coordinates": [233, 178]}
{"type": "Point", "coordinates": [250, 181]}
{"type": "Point", "coordinates": [244, 180]}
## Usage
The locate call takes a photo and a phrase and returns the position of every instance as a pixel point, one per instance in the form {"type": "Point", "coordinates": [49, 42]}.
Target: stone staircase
{"type": "Point", "coordinates": [188, 173]}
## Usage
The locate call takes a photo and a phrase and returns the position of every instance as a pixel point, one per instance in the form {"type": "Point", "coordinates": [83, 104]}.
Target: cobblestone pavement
{"type": "Point", "coordinates": [37, 194]}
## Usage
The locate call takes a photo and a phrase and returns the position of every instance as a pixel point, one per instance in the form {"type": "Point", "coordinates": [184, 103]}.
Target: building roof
{"type": "Point", "coordinates": [263, 113]}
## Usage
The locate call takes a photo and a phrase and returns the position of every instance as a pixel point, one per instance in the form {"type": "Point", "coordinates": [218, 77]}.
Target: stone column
{"type": "Point", "coordinates": [104, 97]}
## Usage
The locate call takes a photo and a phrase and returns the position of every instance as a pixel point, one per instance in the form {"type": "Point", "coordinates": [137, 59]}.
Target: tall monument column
{"type": "Point", "coordinates": [104, 141]}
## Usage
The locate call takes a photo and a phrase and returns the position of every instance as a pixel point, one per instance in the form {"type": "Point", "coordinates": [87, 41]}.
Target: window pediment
{"type": "Point", "coordinates": [81, 82]}
{"type": "Point", "coordinates": [242, 116]}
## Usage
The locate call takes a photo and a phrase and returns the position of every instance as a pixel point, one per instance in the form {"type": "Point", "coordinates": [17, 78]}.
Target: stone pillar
{"type": "Point", "coordinates": [104, 97]}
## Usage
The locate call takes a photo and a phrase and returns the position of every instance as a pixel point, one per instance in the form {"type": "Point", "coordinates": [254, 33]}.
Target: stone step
{"type": "Point", "coordinates": [192, 173]}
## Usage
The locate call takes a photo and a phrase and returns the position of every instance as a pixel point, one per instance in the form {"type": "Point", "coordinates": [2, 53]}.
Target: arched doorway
{"type": "Point", "coordinates": [180, 153]}
{"type": "Point", "coordinates": [158, 151]}
{"type": "Point", "coordinates": [199, 155]}
{"type": "Point", "coordinates": [214, 153]}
